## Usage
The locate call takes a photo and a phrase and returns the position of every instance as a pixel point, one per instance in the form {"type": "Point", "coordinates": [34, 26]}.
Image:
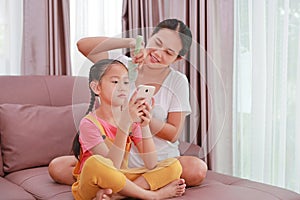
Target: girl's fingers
{"type": "Point", "coordinates": [133, 98]}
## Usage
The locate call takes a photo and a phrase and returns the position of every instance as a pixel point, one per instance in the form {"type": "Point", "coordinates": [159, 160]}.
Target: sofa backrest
{"type": "Point", "coordinates": [39, 116]}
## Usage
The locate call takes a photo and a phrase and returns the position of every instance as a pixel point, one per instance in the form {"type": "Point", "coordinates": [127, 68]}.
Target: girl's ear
{"type": "Point", "coordinates": [95, 87]}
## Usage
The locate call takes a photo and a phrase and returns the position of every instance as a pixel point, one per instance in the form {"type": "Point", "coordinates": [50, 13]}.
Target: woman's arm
{"type": "Point", "coordinates": [147, 147]}
{"type": "Point", "coordinates": [171, 129]}
{"type": "Point", "coordinates": [95, 48]}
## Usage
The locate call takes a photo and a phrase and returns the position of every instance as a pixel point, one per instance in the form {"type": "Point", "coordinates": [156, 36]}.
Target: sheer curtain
{"type": "Point", "coordinates": [267, 92]}
{"type": "Point", "coordinates": [10, 36]}
{"type": "Point", "coordinates": [92, 18]}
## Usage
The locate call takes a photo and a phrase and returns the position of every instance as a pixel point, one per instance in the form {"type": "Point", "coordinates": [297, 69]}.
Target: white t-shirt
{"type": "Point", "coordinates": [173, 96]}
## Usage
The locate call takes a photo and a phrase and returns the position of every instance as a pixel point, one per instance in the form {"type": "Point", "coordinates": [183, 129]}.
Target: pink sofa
{"type": "Point", "coordinates": [38, 119]}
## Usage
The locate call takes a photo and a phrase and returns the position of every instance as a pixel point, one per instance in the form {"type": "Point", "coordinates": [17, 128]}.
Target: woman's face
{"type": "Point", "coordinates": [163, 48]}
{"type": "Point", "coordinates": [114, 85]}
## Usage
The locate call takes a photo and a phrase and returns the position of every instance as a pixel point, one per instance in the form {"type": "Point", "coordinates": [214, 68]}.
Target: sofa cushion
{"type": "Point", "coordinates": [37, 182]}
{"type": "Point", "coordinates": [32, 135]}
{"type": "Point", "coordinates": [1, 160]}
{"type": "Point", "coordinates": [219, 186]}
{"type": "Point", "coordinates": [10, 191]}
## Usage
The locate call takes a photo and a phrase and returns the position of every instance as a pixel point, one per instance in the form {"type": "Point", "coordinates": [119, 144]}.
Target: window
{"type": "Point", "coordinates": [10, 36]}
{"type": "Point", "coordinates": [267, 92]}
{"type": "Point", "coordinates": [92, 18]}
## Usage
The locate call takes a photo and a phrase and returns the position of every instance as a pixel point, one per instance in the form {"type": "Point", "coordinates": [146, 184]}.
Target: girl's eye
{"type": "Point", "coordinates": [126, 82]}
{"type": "Point", "coordinates": [115, 82]}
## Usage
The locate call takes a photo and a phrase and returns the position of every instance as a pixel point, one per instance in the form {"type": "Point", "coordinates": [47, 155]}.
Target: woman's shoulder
{"type": "Point", "coordinates": [177, 77]}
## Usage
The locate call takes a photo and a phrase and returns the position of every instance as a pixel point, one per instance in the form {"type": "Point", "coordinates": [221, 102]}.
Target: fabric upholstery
{"type": "Point", "coordinates": [10, 191]}
{"type": "Point", "coordinates": [39, 132]}
{"type": "Point", "coordinates": [38, 182]}
{"type": "Point", "coordinates": [1, 160]}
{"type": "Point", "coordinates": [34, 96]}
{"type": "Point", "coordinates": [218, 186]}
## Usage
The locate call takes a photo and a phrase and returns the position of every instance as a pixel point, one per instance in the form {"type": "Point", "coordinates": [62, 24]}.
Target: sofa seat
{"type": "Point", "coordinates": [11, 191]}
{"type": "Point", "coordinates": [37, 182]}
{"type": "Point", "coordinates": [218, 186]}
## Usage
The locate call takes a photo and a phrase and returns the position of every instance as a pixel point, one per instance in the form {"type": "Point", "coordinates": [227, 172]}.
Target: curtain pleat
{"type": "Point", "coordinates": [46, 35]}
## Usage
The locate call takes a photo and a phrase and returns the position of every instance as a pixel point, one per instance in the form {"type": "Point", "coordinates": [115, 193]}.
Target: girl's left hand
{"type": "Point", "coordinates": [146, 117]}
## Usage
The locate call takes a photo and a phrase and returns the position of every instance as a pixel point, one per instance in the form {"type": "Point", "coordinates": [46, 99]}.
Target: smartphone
{"type": "Point", "coordinates": [145, 92]}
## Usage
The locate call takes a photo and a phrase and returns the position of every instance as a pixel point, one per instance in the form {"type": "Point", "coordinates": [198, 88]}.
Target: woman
{"type": "Point", "coordinates": [169, 42]}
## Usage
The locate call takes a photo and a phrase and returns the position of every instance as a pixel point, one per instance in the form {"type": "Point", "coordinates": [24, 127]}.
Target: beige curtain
{"type": "Point", "coordinates": [208, 66]}
{"type": "Point", "coordinates": [46, 34]}
{"type": "Point", "coordinates": [220, 40]}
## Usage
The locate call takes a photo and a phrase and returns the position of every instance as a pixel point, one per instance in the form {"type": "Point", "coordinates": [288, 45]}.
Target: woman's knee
{"type": "Point", "coordinates": [194, 170]}
{"type": "Point", "coordinates": [60, 169]}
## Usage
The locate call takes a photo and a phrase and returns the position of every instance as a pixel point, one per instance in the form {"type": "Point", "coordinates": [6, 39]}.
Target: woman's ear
{"type": "Point", "coordinates": [94, 85]}
{"type": "Point", "coordinates": [178, 58]}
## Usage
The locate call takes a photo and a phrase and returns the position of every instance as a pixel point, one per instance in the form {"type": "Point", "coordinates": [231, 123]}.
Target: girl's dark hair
{"type": "Point", "coordinates": [96, 73]}
{"type": "Point", "coordinates": [183, 30]}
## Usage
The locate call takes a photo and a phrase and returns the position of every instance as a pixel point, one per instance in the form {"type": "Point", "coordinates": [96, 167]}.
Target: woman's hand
{"type": "Point", "coordinates": [137, 57]}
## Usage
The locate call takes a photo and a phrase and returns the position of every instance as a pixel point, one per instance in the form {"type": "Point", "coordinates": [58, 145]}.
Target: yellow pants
{"type": "Point", "coordinates": [99, 172]}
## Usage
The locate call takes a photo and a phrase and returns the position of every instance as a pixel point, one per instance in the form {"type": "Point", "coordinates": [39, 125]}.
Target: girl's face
{"type": "Point", "coordinates": [114, 85]}
{"type": "Point", "coordinates": [163, 48]}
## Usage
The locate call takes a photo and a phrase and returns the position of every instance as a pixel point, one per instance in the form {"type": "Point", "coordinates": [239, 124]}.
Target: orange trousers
{"type": "Point", "coordinates": [99, 172]}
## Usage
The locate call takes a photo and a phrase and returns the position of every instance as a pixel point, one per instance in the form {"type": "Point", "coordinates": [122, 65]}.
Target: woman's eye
{"type": "Point", "coordinates": [115, 82]}
{"type": "Point", "coordinates": [126, 82]}
{"type": "Point", "coordinates": [171, 53]}
{"type": "Point", "coordinates": [158, 43]}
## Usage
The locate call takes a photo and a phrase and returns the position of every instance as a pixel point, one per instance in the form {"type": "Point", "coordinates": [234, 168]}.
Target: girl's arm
{"type": "Point", "coordinates": [95, 48]}
{"type": "Point", "coordinates": [131, 111]}
{"type": "Point", "coordinates": [171, 129]}
{"type": "Point", "coordinates": [147, 147]}
{"type": "Point", "coordinates": [117, 149]}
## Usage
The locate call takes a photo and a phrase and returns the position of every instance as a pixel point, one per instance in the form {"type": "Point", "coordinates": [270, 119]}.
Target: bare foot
{"type": "Point", "coordinates": [103, 194]}
{"type": "Point", "coordinates": [173, 189]}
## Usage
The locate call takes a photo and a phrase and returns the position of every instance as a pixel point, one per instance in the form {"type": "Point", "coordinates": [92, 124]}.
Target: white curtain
{"type": "Point", "coordinates": [92, 18]}
{"type": "Point", "coordinates": [267, 92]}
{"type": "Point", "coordinates": [11, 20]}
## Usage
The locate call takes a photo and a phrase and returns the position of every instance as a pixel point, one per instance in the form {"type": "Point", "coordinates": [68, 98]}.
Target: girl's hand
{"type": "Point", "coordinates": [135, 108]}
{"type": "Point", "coordinates": [146, 117]}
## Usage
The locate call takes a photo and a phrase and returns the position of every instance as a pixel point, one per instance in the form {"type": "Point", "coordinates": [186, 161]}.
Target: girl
{"type": "Point", "coordinates": [105, 139]}
{"type": "Point", "coordinates": [170, 41]}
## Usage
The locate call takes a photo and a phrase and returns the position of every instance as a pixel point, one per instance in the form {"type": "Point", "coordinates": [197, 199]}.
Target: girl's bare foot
{"type": "Point", "coordinates": [103, 194]}
{"type": "Point", "coordinates": [173, 189]}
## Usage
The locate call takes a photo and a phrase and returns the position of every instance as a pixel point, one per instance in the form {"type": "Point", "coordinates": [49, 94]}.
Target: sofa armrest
{"type": "Point", "coordinates": [189, 149]}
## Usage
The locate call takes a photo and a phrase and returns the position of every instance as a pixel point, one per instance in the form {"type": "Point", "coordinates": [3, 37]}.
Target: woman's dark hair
{"type": "Point", "coordinates": [183, 30]}
{"type": "Point", "coordinates": [96, 73]}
